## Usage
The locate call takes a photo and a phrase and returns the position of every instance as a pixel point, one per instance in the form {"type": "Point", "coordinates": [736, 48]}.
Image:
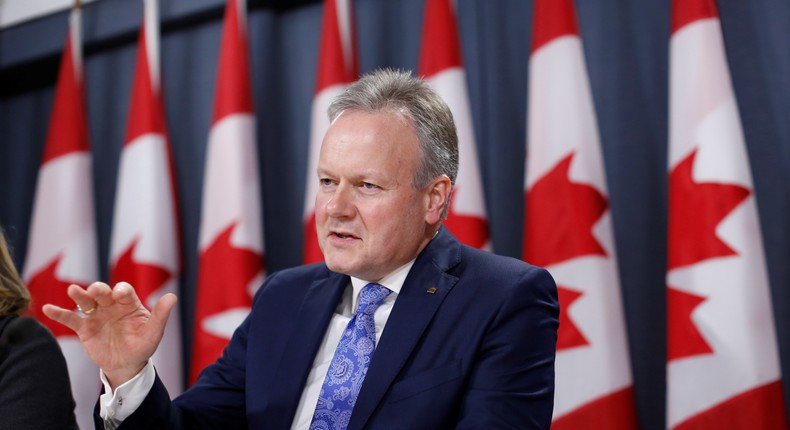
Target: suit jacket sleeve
{"type": "Point", "coordinates": [217, 400]}
{"type": "Point", "coordinates": [512, 382]}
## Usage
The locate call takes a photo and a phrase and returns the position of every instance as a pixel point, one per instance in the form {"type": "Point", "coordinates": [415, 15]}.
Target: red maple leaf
{"type": "Point", "coordinates": [683, 338]}
{"type": "Point", "coordinates": [225, 273]}
{"type": "Point", "coordinates": [695, 209]}
{"type": "Point", "coordinates": [45, 287]}
{"type": "Point", "coordinates": [470, 230]}
{"type": "Point", "coordinates": [145, 278]}
{"type": "Point", "coordinates": [568, 335]}
{"type": "Point", "coordinates": [560, 218]}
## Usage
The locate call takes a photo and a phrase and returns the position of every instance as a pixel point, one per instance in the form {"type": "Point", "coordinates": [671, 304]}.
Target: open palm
{"type": "Point", "coordinates": [118, 333]}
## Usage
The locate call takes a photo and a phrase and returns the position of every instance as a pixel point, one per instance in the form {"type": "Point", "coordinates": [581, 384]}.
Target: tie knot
{"type": "Point", "coordinates": [371, 297]}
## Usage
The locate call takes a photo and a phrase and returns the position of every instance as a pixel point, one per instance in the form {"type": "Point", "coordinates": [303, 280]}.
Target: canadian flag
{"type": "Point", "coordinates": [337, 68]}
{"type": "Point", "coordinates": [231, 237]}
{"type": "Point", "coordinates": [568, 228]}
{"type": "Point", "coordinates": [442, 66]}
{"type": "Point", "coordinates": [144, 245]}
{"type": "Point", "coordinates": [62, 246]}
{"type": "Point", "coordinates": [722, 359]}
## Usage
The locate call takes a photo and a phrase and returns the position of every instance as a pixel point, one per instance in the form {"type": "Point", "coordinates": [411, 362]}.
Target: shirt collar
{"type": "Point", "coordinates": [394, 282]}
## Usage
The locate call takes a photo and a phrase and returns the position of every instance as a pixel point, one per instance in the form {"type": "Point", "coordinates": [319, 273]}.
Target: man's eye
{"type": "Point", "coordinates": [369, 186]}
{"type": "Point", "coordinates": [325, 182]}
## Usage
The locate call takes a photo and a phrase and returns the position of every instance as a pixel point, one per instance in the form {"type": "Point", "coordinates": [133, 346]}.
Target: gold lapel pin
{"type": "Point", "coordinates": [431, 290]}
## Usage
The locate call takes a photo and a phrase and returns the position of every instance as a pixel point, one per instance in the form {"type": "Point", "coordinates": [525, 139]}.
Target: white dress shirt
{"type": "Point", "coordinates": [117, 406]}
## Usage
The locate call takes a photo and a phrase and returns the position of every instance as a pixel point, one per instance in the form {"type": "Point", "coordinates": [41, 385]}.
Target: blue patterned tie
{"type": "Point", "coordinates": [350, 364]}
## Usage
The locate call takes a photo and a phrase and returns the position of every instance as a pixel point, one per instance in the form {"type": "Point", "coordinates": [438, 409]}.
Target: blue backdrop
{"type": "Point", "coordinates": [626, 45]}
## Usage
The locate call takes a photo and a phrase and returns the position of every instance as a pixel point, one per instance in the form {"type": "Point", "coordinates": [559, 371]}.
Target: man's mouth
{"type": "Point", "coordinates": [342, 235]}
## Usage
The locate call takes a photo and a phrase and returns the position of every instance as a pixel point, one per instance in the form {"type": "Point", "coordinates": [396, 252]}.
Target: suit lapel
{"type": "Point", "coordinates": [313, 317]}
{"type": "Point", "coordinates": [413, 311]}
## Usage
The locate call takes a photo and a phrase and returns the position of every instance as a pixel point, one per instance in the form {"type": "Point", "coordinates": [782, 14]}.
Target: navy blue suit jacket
{"type": "Point", "coordinates": [475, 353]}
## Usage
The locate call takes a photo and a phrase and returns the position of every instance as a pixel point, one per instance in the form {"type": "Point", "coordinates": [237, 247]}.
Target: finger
{"type": "Point", "coordinates": [162, 310]}
{"type": "Point", "coordinates": [101, 294]}
{"type": "Point", "coordinates": [124, 294]}
{"type": "Point", "coordinates": [81, 297]}
{"type": "Point", "coordinates": [66, 317]}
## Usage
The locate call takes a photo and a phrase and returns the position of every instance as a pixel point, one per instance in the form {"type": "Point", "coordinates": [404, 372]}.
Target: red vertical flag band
{"type": "Point", "coordinates": [441, 65]}
{"type": "Point", "coordinates": [719, 312]}
{"type": "Point", "coordinates": [144, 242]}
{"type": "Point", "coordinates": [337, 68]}
{"type": "Point", "coordinates": [231, 251]}
{"type": "Point", "coordinates": [62, 246]}
{"type": "Point", "coordinates": [568, 228]}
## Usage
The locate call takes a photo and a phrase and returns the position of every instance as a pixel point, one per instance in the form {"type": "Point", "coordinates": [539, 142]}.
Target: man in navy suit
{"type": "Point", "coordinates": [464, 339]}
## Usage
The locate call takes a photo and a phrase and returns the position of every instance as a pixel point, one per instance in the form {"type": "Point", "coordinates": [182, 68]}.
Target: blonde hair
{"type": "Point", "coordinates": [14, 296]}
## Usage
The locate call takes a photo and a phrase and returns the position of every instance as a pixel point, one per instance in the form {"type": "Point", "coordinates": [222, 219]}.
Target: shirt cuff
{"type": "Point", "coordinates": [114, 407]}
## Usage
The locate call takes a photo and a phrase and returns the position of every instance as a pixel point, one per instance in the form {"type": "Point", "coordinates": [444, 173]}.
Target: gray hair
{"type": "Point", "coordinates": [388, 90]}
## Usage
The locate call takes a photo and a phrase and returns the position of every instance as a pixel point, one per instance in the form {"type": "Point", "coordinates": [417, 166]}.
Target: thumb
{"type": "Point", "coordinates": [162, 310]}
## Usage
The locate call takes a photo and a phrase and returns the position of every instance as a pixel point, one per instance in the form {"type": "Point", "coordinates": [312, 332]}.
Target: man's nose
{"type": "Point", "coordinates": [340, 205]}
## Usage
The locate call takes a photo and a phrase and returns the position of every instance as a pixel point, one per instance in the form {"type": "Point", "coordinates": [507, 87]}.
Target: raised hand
{"type": "Point", "coordinates": [117, 331]}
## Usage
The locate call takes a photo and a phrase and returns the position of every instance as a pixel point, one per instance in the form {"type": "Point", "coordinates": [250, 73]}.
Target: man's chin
{"type": "Point", "coordinates": [337, 264]}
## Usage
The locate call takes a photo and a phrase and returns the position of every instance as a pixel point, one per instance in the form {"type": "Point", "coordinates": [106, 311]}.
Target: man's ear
{"type": "Point", "coordinates": [438, 194]}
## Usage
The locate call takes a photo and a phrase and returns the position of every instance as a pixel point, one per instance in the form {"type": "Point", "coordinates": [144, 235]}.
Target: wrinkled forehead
{"type": "Point", "coordinates": [377, 134]}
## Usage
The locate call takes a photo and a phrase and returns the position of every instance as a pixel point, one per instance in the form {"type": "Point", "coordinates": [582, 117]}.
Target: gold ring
{"type": "Point", "coordinates": [87, 311]}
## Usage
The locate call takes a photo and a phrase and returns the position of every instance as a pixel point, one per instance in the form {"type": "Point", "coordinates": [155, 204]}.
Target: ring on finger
{"type": "Point", "coordinates": [86, 311]}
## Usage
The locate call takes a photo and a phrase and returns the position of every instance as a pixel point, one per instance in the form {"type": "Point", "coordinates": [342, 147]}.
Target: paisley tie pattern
{"type": "Point", "coordinates": [349, 364]}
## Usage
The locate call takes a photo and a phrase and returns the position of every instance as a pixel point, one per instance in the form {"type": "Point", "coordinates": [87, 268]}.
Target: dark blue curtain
{"type": "Point", "coordinates": [626, 45]}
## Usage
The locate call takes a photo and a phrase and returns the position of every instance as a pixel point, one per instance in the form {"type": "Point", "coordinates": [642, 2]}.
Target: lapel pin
{"type": "Point", "coordinates": [431, 290]}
